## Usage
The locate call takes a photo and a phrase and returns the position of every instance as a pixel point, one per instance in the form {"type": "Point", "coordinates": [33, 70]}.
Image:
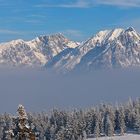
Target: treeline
{"type": "Point", "coordinates": [102, 120]}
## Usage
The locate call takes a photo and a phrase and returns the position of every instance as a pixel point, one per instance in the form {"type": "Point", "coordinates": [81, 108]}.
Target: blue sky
{"type": "Point", "coordinates": [77, 19]}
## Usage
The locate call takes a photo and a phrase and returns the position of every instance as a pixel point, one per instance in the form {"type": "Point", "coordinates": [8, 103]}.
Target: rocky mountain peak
{"type": "Point", "coordinates": [130, 29]}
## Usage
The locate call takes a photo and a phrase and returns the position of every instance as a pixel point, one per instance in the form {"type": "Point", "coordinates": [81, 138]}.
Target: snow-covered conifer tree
{"type": "Point", "coordinates": [109, 129]}
{"type": "Point", "coordinates": [97, 129]}
{"type": "Point", "coordinates": [122, 121]}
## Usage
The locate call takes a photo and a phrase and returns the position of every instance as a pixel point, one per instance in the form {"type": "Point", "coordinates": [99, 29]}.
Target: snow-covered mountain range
{"type": "Point", "coordinates": [36, 52]}
{"type": "Point", "coordinates": [117, 48]}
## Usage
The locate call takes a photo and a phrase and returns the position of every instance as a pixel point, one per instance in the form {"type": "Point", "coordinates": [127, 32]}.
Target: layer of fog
{"type": "Point", "coordinates": [39, 90]}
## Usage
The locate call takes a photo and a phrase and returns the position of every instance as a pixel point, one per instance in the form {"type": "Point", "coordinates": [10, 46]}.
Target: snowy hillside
{"type": "Point", "coordinates": [126, 137]}
{"type": "Point", "coordinates": [36, 52]}
{"type": "Point", "coordinates": [105, 121]}
{"type": "Point", "coordinates": [107, 49]}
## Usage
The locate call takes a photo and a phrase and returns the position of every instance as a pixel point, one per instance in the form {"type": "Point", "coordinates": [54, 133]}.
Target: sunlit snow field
{"type": "Point", "coordinates": [126, 137]}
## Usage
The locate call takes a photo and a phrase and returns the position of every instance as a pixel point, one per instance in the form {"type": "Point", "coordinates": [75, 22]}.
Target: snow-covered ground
{"type": "Point", "coordinates": [125, 137]}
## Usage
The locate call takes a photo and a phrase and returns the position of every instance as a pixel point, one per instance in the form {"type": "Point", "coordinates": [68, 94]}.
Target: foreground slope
{"type": "Point", "coordinates": [126, 137]}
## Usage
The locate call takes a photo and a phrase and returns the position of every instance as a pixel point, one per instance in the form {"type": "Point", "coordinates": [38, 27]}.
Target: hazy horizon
{"type": "Point", "coordinates": [39, 90]}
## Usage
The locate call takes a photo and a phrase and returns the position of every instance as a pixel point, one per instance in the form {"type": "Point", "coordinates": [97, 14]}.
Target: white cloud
{"type": "Point", "coordinates": [37, 16]}
{"type": "Point", "coordinates": [10, 32]}
{"type": "Point", "coordinates": [92, 3]}
{"type": "Point", "coordinates": [74, 34]}
{"type": "Point", "coordinates": [27, 19]}
{"type": "Point", "coordinates": [18, 32]}
{"type": "Point", "coordinates": [33, 21]}
{"type": "Point", "coordinates": [76, 4]}
{"type": "Point", "coordinates": [122, 3]}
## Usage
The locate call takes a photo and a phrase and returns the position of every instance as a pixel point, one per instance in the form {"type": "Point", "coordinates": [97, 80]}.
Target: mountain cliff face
{"type": "Point", "coordinates": [36, 52]}
{"type": "Point", "coordinates": [116, 48]}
